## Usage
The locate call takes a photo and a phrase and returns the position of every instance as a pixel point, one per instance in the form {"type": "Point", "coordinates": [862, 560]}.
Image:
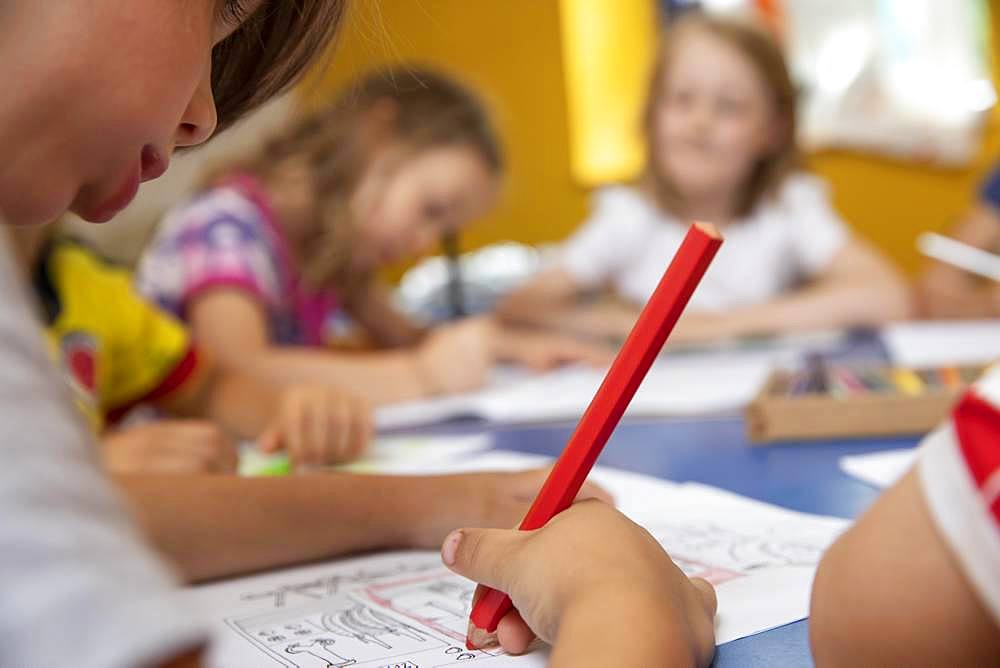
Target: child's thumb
{"type": "Point", "coordinates": [483, 555]}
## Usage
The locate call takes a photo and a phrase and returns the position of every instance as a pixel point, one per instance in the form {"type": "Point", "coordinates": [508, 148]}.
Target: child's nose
{"type": "Point", "coordinates": [200, 118]}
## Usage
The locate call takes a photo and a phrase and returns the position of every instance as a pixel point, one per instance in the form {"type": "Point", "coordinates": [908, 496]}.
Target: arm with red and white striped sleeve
{"type": "Point", "coordinates": [916, 581]}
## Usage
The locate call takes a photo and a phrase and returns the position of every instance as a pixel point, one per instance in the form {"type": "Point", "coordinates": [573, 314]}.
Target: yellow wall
{"type": "Point", "coordinates": [608, 49]}
{"type": "Point", "coordinates": [511, 51]}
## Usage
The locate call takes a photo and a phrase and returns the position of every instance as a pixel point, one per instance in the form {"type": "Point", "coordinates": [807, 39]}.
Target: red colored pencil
{"type": "Point", "coordinates": [641, 347]}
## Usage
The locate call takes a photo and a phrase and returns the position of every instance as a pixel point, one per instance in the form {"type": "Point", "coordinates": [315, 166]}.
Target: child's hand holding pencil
{"type": "Point", "coordinates": [590, 573]}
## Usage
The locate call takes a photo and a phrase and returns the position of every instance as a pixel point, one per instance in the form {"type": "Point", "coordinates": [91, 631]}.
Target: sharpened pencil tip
{"type": "Point", "coordinates": [709, 229]}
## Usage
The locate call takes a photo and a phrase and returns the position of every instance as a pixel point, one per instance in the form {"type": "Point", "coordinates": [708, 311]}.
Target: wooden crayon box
{"type": "Point", "coordinates": [854, 402]}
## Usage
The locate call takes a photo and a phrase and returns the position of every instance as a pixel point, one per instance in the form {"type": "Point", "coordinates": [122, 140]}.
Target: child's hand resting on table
{"type": "Point", "coordinates": [318, 426]}
{"type": "Point", "coordinates": [169, 446]}
{"type": "Point", "coordinates": [541, 350]}
{"type": "Point", "coordinates": [590, 572]}
{"type": "Point", "coordinates": [458, 357]}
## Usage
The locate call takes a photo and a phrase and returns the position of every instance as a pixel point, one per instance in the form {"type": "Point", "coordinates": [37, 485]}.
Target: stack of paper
{"type": "Point", "coordinates": [943, 343]}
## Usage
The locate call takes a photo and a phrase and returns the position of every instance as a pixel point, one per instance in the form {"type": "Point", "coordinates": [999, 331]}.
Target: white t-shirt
{"type": "Point", "coordinates": [959, 470]}
{"type": "Point", "coordinates": [78, 587]}
{"type": "Point", "coordinates": [627, 243]}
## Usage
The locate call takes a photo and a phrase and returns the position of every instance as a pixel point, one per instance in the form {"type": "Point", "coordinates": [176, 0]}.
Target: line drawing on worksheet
{"type": "Point", "coordinates": [440, 601]}
{"type": "Point", "coordinates": [411, 619]}
{"type": "Point", "coordinates": [718, 553]}
{"type": "Point", "coordinates": [326, 586]}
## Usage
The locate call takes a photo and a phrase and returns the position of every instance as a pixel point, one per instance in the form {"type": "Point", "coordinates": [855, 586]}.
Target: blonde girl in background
{"type": "Point", "coordinates": [259, 261]}
{"type": "Point", "coordinates": [720, 131]}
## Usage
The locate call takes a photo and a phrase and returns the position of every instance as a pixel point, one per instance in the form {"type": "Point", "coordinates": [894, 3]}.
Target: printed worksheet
{"type": "Point", "coordinates": [404, 609]}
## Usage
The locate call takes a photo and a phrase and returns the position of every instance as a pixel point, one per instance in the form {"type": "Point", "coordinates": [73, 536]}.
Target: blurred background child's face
{"type": "Point", "coordinates": [436, 191]}
{"type": "Point", "coordinates": [107, 96]}
{"type": "Point", "coordinates": [714, 121]}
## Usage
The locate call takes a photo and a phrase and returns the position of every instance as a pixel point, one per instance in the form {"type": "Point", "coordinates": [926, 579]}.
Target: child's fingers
{"type": "Point", "coordinates": [293, 429]}
{"type": "Point", "coordinates": [270, 439]}
{"type": "Point", "coordinates": [228, 459]}
{"type": "Point", "coordinates": [341, 431]}
{"type": "Point", "coordinates": [177, 461]}
{"type": "Point", "coordinates": [320, 434]}
{"type": "Point", "coordinates": [706, 592]}
{"type": "Point", "coordinates": [592, 490]}
{"type": "Point", "coordinates": [513, 634]}
{"type": "Point", "coordinates": [216, 452]}
{"type": "Point", "coordinates": [483, 555]}
{"type": "Point", "coordinates": [364, 428]}
{"type": "Point", "coordinates": [204, 446]}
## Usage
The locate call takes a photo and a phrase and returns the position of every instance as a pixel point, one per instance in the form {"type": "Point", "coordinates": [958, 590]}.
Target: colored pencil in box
{"type": "Point", "coordinates": [816, 369]}
{"type": "Point", "coordinates": [641, 347]}
{"type": "Point", "coordinates": [950, 377]}
{"type": "Point", "coordinates": [846, 381]}
{"type": "Point", "coordinates": [907, 381]}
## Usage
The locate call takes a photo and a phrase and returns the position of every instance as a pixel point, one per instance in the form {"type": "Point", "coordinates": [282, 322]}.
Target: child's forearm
{"type": "Point", "coordinates": [826, 305]}
{"type": "Point", "coordinates": [242, 404]}
{"type": "Point", "coordinates": [603, 320]}
{"type": "Point", "coordinates": [946, 292]}
{"type": "Point", "coordinates": [891, 592]}
{"type": "Point", "coordinates": [379, 377]}
{"type": "Point", "coordinates": [215, 526]}
{"type": "Point", "coordinates": [553, 300]}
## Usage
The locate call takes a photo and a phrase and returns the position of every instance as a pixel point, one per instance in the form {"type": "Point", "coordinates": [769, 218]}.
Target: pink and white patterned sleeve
{"type": "Point", "coordinates": [218, 240]}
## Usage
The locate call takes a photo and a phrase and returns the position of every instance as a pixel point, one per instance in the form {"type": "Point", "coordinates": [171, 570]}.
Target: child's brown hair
{"type": "Point", "coordinates": [269, 52]}
{"type": "Point", "coordinates": [414, 108]}
{"type": "Point", "coordinates": [764, 53]}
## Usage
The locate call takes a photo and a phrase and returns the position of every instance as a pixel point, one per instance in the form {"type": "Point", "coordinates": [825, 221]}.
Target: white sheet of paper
{"type": "Point", "coordinates": [678, 385]}
{"type": "Point", "coordinates": [940, 343]}
{"type": "Point", "coordinates": [881, 469]}
{"type": "Point", "coordinates": [384, 455]}
{"type": "Point", "coordinates": [405, 609]}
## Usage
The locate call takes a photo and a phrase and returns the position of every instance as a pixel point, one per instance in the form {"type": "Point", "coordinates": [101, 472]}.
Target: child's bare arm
{"type": "Point", "coordinates": [889, 592]}
{"type": "Point", "coordinates": [552, 300]}
{"type": "Point", "coordinates": [452, 358]}
{"type": "Point", "coordinates": [233, 327]}
{"type": "Point", "coordinates": [239, 403]}
{"type": "Point", "coordinates": [945, 291]}
{"type": "Point", "coordinates": [215, 526]}
{"type": "Point", "coordinates": [316, 424]}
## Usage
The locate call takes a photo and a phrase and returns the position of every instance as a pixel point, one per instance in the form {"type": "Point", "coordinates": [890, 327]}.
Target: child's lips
{"type": "Point", "coordinates": [153, 163]}
{"type": "Point", "coordinates": [126, 192]}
